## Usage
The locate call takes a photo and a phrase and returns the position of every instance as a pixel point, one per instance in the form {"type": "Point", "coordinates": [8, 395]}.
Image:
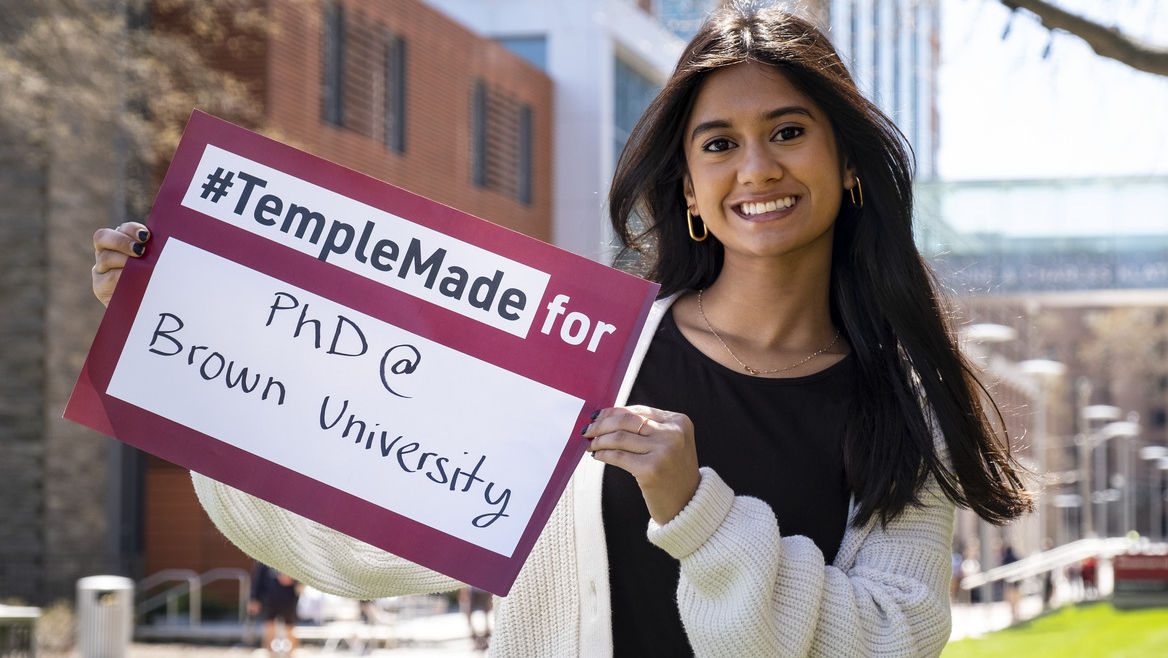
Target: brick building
{"type": "Point", "coordinates": [394, 90]}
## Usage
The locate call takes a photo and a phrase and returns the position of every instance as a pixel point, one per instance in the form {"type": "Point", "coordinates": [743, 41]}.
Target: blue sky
{"type": "Point", "coordinates": [1008, 112]}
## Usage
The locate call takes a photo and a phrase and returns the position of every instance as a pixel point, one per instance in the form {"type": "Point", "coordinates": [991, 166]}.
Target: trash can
{"type": "Point", "coordinates": [105, 616]}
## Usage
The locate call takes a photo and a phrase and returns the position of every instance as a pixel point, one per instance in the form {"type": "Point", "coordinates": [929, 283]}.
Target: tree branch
{"type": "Point", "coordinates": [1106, 41]}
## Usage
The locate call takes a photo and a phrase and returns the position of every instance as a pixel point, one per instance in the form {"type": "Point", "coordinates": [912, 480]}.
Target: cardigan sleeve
{"type": "Point", "coordinates": [319, 556]}
{"type": "Point", "coordinates": [746, 590]}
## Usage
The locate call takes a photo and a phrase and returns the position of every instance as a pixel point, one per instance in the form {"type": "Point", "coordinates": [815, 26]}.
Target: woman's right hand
{"type": "Point", "coordinates": [111, 248]}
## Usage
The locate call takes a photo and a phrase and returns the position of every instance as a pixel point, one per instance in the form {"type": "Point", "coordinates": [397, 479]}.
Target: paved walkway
{"type": "Point", "coordinates": [446, 636]}
{"type": "Point", "coordinates": [976, 620]}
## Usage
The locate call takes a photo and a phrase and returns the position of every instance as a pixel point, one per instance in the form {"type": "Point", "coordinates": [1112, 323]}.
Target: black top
{"type": "Point", "coordinates": [779, 440]}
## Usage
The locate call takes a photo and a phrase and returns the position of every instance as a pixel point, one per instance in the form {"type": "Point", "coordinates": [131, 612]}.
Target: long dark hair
{"type": "Point", "coordinates": [883, 295]}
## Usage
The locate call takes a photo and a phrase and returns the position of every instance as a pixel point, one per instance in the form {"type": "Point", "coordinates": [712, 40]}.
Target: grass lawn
{"type": "Point", "coordinates": [1090, 631]}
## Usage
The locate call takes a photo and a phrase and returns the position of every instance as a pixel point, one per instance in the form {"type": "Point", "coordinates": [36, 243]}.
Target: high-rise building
{"type": "Point", "coordinates": [890, 46]}
{"type": "Point", "coordinates": [892, 50]}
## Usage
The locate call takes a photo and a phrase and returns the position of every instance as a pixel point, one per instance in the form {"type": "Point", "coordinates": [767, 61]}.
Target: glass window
{"type": "Point", "coordinates": [632, 94]}
{"type": "Point", "coordinates": [532, 49]}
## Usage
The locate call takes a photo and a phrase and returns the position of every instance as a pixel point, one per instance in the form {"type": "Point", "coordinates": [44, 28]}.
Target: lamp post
{"type": "Point", "coordinates": [1088, 413]}
{"type": "Point", "coordinates": [973, 340]}
{"type": "Point", "coordinates": [1109, 493]}
{"type": "Point", "coordinates": [1045, 372]}
{"type": "Point", "coordinates": [1158, 455]}
{"type": "Point", "coordinates": [1162, 466]}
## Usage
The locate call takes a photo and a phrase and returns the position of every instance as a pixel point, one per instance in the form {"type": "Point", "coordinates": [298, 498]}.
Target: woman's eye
{"type": "Point", "coordinates": [788, 133]}
{"type": "Point", "coordinates": [718, 144]}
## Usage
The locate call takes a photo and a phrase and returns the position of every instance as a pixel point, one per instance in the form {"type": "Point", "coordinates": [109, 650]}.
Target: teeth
{"type": "Point", "coordinates": [767, 206]}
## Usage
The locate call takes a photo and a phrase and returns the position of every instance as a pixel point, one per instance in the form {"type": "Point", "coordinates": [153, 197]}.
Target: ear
{"type": "Point", "coordinates": [849, 175]}
{"type": "Point", "coordinates": [691, 201]}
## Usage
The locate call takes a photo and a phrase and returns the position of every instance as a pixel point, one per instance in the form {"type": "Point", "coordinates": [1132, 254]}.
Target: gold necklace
{"type": "Point", "coordinates": [747, 368]}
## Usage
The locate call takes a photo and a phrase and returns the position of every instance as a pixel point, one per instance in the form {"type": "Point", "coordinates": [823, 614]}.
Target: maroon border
{"type": "Point", "coordinates": [596, 290]}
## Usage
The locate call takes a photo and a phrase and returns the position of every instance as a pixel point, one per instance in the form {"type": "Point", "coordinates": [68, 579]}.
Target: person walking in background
{"type": "Point", "coordinates": [1013, 592]}
{"type": "Point", "coordinates": [471, 599]}
{"type": "Point", "coordinates": [274, 596]}
{"type": "Point", "coordinates": [955, 583]}
{"type": "Point", "coordinates": [780, 471]}
{"type": "Point", "coordinates": [1089, 571]}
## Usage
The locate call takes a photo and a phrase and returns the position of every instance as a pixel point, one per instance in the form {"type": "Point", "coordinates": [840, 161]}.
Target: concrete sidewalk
{"type": "Point", "coordinates": [446, 636]}
{"type": "Point", "coordinates": [975, 620]}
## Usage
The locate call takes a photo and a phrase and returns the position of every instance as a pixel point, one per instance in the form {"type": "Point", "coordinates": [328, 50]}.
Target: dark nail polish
{"type": "Point", "coordinates": [595, 414]}
{"type": "Point", "coordinates": [584, 430]}
{"type": "Point", "coordinates": [138, 248]}
{"type": "Point", "coordinates": [143, 235]}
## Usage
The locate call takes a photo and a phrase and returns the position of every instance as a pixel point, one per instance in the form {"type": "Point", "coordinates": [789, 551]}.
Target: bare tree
{"type": "Point", "coordinates": [122, 75]}
{"type": "Point", "coordinates": [1105, 40]}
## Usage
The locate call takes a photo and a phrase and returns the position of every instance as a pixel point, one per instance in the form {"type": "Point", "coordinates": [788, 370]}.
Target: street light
{"type": "Point", "coordinates": [972, 340]}
{"type": "Point", "coordinates": [1087, 444]}
{"type": "Point", "coordinates": [1044, 372]}
{"type": "Point", "coordinates": [1159, 455]}
{"type": "Point", "coordinates": [986, 332]}
{"type": "Point", "coordinates": [1118, 429]}
{"type": "Point", "coordinates": [1100, 412]}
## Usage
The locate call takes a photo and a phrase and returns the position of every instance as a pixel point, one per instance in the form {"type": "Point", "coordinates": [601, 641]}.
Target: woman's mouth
{"type": "Point", "coordinates": [756, 209]}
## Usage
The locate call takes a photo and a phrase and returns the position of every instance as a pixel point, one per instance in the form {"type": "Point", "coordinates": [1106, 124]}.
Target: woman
{"type": "Point", "coordinates": [796, 424]}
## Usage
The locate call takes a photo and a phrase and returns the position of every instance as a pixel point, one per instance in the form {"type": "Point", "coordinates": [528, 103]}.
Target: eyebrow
{"type": "Point", "coordinates": [773, 114]}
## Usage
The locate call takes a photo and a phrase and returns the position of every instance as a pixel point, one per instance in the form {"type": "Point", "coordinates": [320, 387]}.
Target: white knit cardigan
{"type": "Point", "coordinates": [745, 590]}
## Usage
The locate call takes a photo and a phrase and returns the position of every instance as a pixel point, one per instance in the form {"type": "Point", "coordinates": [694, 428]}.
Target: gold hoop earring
{"type": "Point", "coordinates": [852, 191]}
{"type": "Point", "coordinates": [692, 234]}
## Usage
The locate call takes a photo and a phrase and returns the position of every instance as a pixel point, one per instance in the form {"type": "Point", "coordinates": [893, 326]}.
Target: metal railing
{"type": "Point", "coordinates": [191, 584]}
{"type": "Point", "coordinates": [1056, 558]}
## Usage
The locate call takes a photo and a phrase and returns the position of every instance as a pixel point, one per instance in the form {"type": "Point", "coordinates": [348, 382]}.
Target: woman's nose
{"type": "Point", "coordinates": [759, 164]}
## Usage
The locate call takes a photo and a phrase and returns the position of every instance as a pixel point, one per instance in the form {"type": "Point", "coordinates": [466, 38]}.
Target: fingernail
{"type": "Point", "coordinates": [138, 248]}
{"type": "Point", "coordinates": [584, 430]}
{"type": "Point", "coordinates": [143, 235]}
{"type": "Point", "coordinates": [595, 414]}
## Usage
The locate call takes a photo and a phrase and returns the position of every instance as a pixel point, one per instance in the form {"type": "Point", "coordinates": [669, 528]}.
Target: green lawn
{"type": "Point", "coordinates": [1093, 631]}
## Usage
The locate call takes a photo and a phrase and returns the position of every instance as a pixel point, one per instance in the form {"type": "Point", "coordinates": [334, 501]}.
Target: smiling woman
{"type": "Point", "coordinates": [796, 425]}
{"type": "Point", "coordinates": [763, 168]}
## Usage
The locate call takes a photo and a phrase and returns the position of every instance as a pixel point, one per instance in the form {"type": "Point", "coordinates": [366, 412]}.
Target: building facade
{"type": "Point", "coordinates": [607, 59]}
{"type": "Point", "coordinates": [892, 48]}
{"type": "Point", "coordinates": [397, 90]}
{"type": "Point", "coordinates": [1077, 271]}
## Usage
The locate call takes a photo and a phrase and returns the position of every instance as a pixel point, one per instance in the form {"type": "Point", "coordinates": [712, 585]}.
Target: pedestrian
{"type": "Point", "coordinates": [1013, 592]}
{"type": "Point", "coordinates": [471, 599]}
{"type": "Point", "coordinates": [1089, 575]}
{"type": "Point", "coordinates": [274, 597]}
{"type": "Point", "coordinates": [1075, 581]}
{"type": "Point", "coordinates": [955, 583]}
{"type": "Point", "coordinates": [779, 474]}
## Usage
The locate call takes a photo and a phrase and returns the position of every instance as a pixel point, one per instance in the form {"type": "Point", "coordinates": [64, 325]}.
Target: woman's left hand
{"type": "Point", "coordinates": [656, 447]}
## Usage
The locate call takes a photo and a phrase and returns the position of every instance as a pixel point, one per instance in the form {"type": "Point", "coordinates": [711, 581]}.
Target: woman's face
{"type": "Point", "coordinates": [764, 172]}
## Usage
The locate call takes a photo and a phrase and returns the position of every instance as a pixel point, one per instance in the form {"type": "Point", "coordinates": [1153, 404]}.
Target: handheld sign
{"type": "Point", "coordinates": [385, 365]}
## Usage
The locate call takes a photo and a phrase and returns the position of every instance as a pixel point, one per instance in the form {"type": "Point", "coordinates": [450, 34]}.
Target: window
{"type": "Point", "coordinates": [333, 64]}
{"type": "Point", "coordinates": [363, 77]}
{"type": "Point", "coordinates": [395, 94]}
{"type": "Point", "coordinates": [1159, 419]}
{"type": "Point", "coordinates": [501, 142]}
{"type": "Point", "coordinates": [532, 49]}
{"type": "Point", "coordinates": [632, 93]}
